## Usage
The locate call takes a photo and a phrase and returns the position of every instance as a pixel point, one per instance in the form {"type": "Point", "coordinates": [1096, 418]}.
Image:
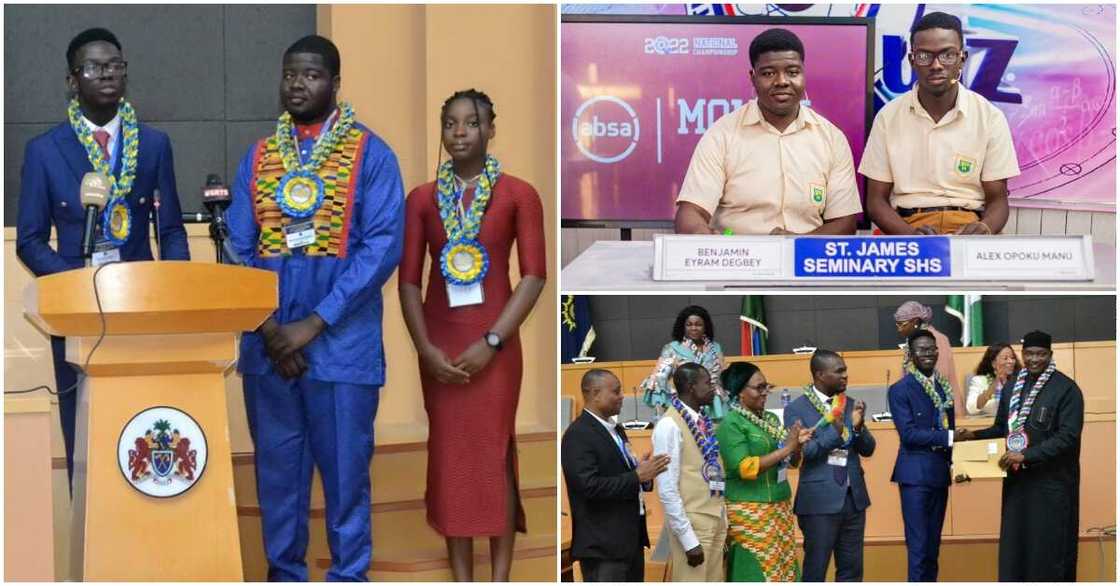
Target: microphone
{"type": "Point", "coordinates": [155, 223]}
{"type": "Point", "coordinates": [215, 195]}
{"type": "Point", "coordinates": [93, 193]}
{"type": "Point", "coordinates": [216, 198]}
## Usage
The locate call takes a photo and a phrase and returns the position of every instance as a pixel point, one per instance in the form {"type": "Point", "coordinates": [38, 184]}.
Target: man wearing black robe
{"type": "Point", "coordinates": [1039, 528]}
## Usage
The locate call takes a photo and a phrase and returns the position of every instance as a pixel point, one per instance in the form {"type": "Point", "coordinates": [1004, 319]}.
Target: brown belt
{"type": "Point", "coordinates": [904, 212]}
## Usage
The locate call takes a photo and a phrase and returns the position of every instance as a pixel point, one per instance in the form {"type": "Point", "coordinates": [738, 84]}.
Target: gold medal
{"type": "Point", "coordinates": [120, 222]}
{"type": "Point", "coordinates": [300, 194]}
{"type": "Point", "coordinates": [464, 262]}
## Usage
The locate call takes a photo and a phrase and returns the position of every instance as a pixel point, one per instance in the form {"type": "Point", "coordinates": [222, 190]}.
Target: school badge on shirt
{"type": "Point", "coordinates": [964, 165]}
{"type": "Point", "coordinates": [816, 193]}
{"type": "Point", "coordinates": [162, 452]}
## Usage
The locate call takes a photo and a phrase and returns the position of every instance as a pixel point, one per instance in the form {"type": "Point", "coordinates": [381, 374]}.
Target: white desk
{"type": "Point", "coordinates": [628, 266]}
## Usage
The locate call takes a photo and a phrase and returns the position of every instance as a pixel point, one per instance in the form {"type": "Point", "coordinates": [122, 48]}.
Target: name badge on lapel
{"type": "Point", "coordinates": [782, 473]}
{"type": "Point", "coordinates": [104, 252]}
{"type": "Point", "coordinates": [299, 235]}
{"type": "Point", "coordinates": [838, 458]}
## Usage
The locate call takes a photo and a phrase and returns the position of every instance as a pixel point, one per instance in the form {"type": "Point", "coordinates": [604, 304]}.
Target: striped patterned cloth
{"type": "Point", "coordinates": [765, 532]}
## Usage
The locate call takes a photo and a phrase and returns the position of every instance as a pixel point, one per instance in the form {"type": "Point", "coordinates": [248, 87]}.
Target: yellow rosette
{"type": "Point", "coordinates": [300, 194]}
{"type": "Point", "coordinates": [464, 262]}
{"type": "Point", "coordinates": [117, 222]}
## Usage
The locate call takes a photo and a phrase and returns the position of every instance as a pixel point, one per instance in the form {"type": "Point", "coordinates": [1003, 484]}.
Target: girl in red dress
{"type": "Point", "coordinates": [465, 331]}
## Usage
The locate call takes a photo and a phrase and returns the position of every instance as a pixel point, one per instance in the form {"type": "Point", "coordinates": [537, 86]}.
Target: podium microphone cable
{"type": "Point", "coordinates": [85, 365]}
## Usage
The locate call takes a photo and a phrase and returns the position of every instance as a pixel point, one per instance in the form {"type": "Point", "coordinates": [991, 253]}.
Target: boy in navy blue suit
{"type": "Point", "coordinates": [102, 134]}
{"type": "Point", "coordinates": [921, 405]}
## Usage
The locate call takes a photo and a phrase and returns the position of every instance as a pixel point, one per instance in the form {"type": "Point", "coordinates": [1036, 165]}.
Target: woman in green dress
{"type": "Point", "coordinates": [756, 453]}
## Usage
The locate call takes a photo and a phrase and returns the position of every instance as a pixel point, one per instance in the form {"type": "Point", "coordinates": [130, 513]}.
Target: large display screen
{"type": "Point", "coordinates": [637, 93]}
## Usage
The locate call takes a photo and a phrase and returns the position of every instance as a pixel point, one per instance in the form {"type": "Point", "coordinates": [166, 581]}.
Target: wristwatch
{"type": "Point", "coordinates": [493, 340]}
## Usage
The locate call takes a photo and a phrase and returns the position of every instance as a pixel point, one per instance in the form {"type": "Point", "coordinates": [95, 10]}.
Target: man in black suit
{"type": "Point", "coordinates": [605, 481]}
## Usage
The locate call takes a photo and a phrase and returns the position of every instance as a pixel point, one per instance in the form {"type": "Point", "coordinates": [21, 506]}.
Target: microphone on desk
{"type": "Point", "coordinates": [94, 192]}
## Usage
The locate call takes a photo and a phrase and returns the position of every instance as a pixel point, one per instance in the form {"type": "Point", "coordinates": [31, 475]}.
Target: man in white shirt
{"type": "Point", "coordinates": [691, 490]}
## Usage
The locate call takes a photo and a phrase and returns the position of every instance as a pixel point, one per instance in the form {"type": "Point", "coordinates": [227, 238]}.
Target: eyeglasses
{"type": "Point", "coordinates": [763, 388]}
{"type": "Point", "coordinates": [946, 57]}
{"type": "Point", "coordinates": [925, 351]}
{"type": "Point", "coordinates": [93, 70]}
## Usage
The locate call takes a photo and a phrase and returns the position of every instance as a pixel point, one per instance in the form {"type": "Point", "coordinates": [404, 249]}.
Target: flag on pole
{"type": "Point", "coordinates": [576, 332]}
{"type": "Point", "coordinates": [752, 337]}
{"type": "Point", "coordinates": [967, 308]}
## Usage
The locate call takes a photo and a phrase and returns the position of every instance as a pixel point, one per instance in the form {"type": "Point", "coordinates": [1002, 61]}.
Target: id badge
{"type": "Point", "coordinates": [838, 458]}
{"type": "Point", "coordinates": [104, 253]}
{"type": "Point", "coordinates": [782, 474]}
{"type": "Point", "coordinates": [716, 485]}
{"type": "Point", "coordinates": [299, 235]}
{"type": "Point", "coordinates": [461, 295]}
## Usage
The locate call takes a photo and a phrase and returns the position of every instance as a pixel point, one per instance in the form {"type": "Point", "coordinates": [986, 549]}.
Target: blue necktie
{"type": "Point", "coordinates": [622, 447]}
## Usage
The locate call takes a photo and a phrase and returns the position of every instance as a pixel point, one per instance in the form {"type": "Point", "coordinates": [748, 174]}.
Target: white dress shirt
{"type": "Point", "coordinates": [113, 127]}
{"type": "Point", "coordinates": [667, 440]}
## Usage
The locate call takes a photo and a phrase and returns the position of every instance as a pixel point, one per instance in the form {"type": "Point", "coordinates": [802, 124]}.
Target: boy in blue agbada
{"type": "Point", "coordinates": [319, 202]}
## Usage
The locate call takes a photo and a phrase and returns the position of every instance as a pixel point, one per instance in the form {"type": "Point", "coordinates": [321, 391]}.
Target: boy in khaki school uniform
{"type": "Point", "coordinates": [773, 166]}
{"type": "Point", "coordinates": [939, 156]}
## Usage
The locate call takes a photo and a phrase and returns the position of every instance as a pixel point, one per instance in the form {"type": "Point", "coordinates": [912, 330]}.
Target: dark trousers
{"type": "Point", "coordinates": [65, 378]}
{"type": "Point", "coordinates": [600, 570]}
{"type": "Point", "coordinates": [923, 514]}
{"type": "Point", "coordinates": [840, 533]}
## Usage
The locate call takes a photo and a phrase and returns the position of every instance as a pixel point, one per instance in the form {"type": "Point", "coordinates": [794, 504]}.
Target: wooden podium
{"type": "Point", "coordinates": [170, 335]}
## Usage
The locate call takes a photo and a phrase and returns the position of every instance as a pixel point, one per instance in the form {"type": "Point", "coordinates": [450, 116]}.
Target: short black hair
{"type": "Point", "coordinates": [90, 35]}
{"type": "Point", "coordinates": [475, 96]}
{"type": "Point", "coordinates": [937, 20]}
{"type": "Point", "coordinates": [686, 375]}
{"type": "Point", "coordinates": [678, 325]}
{"type": "Point", "coordinates": [592, 378]}
{"type": "Point", "coordinates": [920, 333]}
{"type": "Point", "coordinates": [321, 46]}
{"type": "Point", "coordinates": [775, 39]}
{"type": "Point", "coordinates": [821, 358]}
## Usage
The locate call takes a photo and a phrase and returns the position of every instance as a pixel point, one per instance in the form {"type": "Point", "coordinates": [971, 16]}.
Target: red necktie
{"type": "Point", "coordinates": [102, 139]}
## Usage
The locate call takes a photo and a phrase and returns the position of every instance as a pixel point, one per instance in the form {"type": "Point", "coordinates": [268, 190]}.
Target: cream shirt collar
{"type": "Point", "coordinates": [961, 107]}
{"type": "Point", "coordinates": [752, 114]}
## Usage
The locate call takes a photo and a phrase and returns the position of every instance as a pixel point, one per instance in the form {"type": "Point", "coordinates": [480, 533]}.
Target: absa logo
{"type": "Point", "coordinates": [605, 129]}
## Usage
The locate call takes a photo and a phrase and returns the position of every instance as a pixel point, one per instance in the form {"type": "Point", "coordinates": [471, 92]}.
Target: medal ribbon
{"type": "Point", "coordinates": [705, 439]}
{"type": "Point", "coordinates": [119, 186]}
{"type": "Point", "coordinates": [1017, 415]}
{"type": "Point", "coordinates": [776, 432]}
{"type": "Point", "coordinates": [324, 145]}
{"type": "Point", "coordinates": [450, 196]}
{"type": "Point", "coordinates": [944, 405]}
